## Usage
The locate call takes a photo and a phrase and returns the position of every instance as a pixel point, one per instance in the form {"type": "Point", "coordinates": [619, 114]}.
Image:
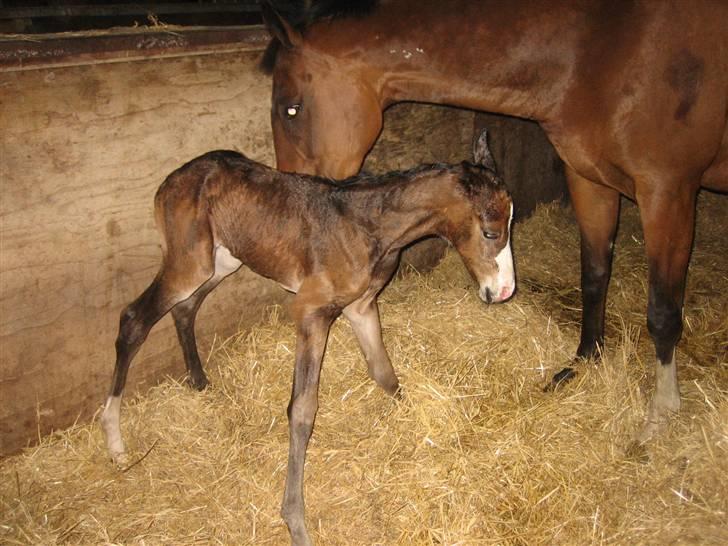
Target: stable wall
{"type": "Point", "coordinates": [90, 128]}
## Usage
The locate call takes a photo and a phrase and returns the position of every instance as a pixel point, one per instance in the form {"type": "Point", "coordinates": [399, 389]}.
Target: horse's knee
{"type": "Point", "coordinates": [302, 411]}
{"type": "Point", "coordinates": [594, 277]}
{"type": "Point", "coordinates": [664, 323]}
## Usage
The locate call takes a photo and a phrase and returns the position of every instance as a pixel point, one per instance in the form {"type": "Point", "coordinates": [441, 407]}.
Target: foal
{"type": "Point", "coordinates": [334, 245]}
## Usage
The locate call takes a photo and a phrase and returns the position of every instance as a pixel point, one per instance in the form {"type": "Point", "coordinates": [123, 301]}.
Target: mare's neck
{"type": "Point", "coordinates": [499, 57]}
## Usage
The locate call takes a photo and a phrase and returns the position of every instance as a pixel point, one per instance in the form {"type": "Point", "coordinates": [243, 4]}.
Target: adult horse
{"type": "Point", "coordinates": [633, 95]}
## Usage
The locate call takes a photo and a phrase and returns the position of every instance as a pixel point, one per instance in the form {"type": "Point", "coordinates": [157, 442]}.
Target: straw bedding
{"type": "Point", "coordinates": [474, 453]}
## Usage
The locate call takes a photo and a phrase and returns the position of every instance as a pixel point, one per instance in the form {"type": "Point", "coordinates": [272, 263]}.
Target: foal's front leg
{"type": "Point", "coordinates": [364, 318]}
{"type": "Point", "coordinates": [313, 329]}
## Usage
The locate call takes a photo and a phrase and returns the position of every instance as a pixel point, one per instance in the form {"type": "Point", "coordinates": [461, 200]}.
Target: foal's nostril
{"type": "Point", "coordinates": [488, 295]}
{"type": "Point", "coordinates": [506, 293]}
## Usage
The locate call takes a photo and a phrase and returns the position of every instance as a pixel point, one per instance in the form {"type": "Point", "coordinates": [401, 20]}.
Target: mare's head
{"type": "Point", "coordinates": [326, 112]}
{"type": "Point", "coordinates": [481, 230]}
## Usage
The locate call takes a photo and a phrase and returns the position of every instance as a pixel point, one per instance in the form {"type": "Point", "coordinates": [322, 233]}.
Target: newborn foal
{"type": "Point", "coordinates": [334, 244]}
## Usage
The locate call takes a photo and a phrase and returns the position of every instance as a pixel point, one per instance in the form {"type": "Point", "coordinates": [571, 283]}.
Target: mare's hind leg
{"type": "Point", "coordinates": [364, 318]}
{"type": "Point", "coordinates": [169, 288]}
{"type": "Point", "coordinates": [597, 210]}
{"type": "Point", "coordinates": [668, 223]}
{"type": "Point", "coordinates": [185, 312]}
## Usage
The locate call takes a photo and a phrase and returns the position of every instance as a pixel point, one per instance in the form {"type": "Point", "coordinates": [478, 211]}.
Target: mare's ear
{"type": "Point", "coordinates": [278, 27]}
{"type": "Point", "coordinates": [481, 152]}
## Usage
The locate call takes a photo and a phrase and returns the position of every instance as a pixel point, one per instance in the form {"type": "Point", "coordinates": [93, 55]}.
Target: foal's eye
{"type": "Point", "coordinates": [292, 110]}
{"type": "Point", "coordinates": [492, 235]}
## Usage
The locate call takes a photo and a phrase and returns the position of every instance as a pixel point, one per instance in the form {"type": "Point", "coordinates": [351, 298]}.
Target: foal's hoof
{"type": "Point", "coordinates": [198, 383]}
{"type": "Point", "coordinates": [637, 452]}
{"type": "Point", "coordinates": [397, 393]}
{"type": "Point", "coordinates": [119, 458]}
{"type": "Point", "coordinates": [564, 376]}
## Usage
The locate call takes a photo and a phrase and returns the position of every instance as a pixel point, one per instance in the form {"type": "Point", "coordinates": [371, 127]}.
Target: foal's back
{"type": "Point", "coordinates": [284, 226]}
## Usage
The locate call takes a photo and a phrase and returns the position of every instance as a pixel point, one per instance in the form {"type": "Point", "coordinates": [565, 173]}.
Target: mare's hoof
{"type": "Point", "coordinates": [198, 383]}
{"type": "Point", "coordinates": [564, 376]}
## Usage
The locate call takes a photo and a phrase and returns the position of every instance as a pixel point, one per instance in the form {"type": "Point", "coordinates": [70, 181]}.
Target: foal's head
{"type": "Point", "coordinates": [480, 231]}
{"type": "Point", "coordinates": [480, 228]}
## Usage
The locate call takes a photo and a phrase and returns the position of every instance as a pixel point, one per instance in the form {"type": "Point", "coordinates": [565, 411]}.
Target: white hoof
{"type": "Point", "coordinates": [112, 430]}
{"type": "Point", "coordinates": [665, 401]}
{"type": "Point", "coordinates": [120, 459]}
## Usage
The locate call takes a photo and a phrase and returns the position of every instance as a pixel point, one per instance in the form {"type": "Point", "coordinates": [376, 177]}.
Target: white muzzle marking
{"type": "Point", "coordinates": [502, 287]}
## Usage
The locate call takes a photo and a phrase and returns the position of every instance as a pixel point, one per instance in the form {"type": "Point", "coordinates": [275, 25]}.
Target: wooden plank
{"type": "Point", "coordinates": [19, 52]}
{"type": "Point", "coordinates": [83, 150]}
{"type": "Point", "coordinates": [95, 10]}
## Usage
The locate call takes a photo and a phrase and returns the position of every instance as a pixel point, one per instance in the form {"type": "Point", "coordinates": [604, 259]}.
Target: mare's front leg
{"type": "Point", "coordinates": [313, 324]}
{"type": "Point", "coordinates": [668, 222]}
{"type": "Point", "coordinates": [596, 208]}
{"type": "Point", "coordinates": [363, 315]}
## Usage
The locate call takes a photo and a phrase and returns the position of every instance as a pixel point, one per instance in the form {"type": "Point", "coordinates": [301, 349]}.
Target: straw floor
{"type": "Point", "coordinates": [474, 453]}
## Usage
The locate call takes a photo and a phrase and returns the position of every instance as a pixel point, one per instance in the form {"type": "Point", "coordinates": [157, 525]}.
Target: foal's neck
{"type": "Point", "coordinates": [409, 210]}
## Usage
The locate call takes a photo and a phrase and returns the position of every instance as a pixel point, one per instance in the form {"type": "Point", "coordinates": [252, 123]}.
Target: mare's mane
{"type": "Point", "coordinates": [300, 14]}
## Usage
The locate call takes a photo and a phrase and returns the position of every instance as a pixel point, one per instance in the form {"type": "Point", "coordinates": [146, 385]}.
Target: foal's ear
{"type": "Point", "coordinates": [278, 27]}
{"type": "Point", "coordinates": [481, 152]}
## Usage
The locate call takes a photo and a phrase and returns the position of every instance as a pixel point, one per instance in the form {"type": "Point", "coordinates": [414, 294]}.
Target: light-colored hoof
{"type": "Point", "coordinates": [658, 419]}
{"type": "Point", "coordinates": [650, 430]}
{"type": "Point", "coordinates": [120, 459]}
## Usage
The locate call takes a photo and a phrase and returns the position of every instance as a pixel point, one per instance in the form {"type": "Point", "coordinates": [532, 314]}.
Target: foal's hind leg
{"type": "Point", "coordinates": [184, 314]}
{"type": "Point", "coordinates": [364, 318]}
{"type": "Point", "coordinates": [137, 319]}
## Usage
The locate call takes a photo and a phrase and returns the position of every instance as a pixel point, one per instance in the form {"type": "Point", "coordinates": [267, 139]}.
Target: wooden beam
{"type": "Point", "coordinates": [110, 10]}
{"type": "Point", "coordinates": [92, 47]}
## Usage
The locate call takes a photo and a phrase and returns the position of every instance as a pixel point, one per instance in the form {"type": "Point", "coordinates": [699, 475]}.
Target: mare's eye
{"type": "Point", "coordinates": [292, 110]}
{"type": "Point", "coordinates": [492, 235]}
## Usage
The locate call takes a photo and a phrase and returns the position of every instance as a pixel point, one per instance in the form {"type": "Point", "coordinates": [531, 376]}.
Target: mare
{"type": "Point", "coordinates": [334, 245]}
{"type": "Point", "coordinates": [633, 95]}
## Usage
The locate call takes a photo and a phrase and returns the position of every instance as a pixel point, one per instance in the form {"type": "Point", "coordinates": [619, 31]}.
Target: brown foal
{"type": "Point", "coordinates": [335, 245]}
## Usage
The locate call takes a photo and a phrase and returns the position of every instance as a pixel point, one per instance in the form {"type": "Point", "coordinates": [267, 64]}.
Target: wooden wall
{"type": "Point", "coordinates": [84, 143]}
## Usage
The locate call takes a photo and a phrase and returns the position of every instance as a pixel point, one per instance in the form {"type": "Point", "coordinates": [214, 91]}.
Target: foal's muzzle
{"type": "Point", "coordinates": [489, 296]}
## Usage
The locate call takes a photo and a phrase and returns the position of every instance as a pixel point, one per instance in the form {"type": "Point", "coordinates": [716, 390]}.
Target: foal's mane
{"type": "Point", "coordinates": [300, 14]}
{"type": "Point", "coordinates": [372, 181]}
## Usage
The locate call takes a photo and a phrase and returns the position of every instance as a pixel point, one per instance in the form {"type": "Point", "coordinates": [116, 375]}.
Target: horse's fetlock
{"type": "Point", "coordinates": [386, 380]}
{"type": "Point", "coordinates": [664, 323]}
{"type": "Point", "coordinates": [198, 381]}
